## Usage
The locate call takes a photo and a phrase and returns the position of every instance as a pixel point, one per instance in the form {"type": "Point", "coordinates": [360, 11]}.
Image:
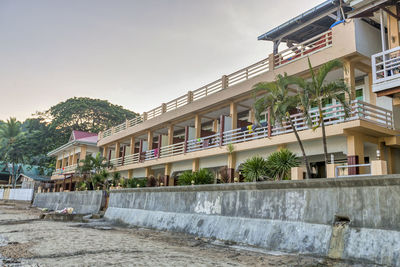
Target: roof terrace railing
{"type": "Point", "coordinates": [313, 45]}
{"type": "Point", "coordinates": [333, 114]}
{"type": "Point", "coordinates": [386, 65]}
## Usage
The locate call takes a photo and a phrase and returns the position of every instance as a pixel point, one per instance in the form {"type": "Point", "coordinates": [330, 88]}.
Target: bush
{"type": "Point", "coordinates": [279, 164]}
{"type": "Point", "coordinates": [133, 182]}
{"type": "Point", "coordinates": [254, 169]}
{"type": "Point", "coordinates": [202, 176]}
{"type": "Point", "coordinates": [151, 181]}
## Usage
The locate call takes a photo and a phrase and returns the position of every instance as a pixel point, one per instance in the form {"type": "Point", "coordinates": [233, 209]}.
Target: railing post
{"type": "Point", "coordinates": [225, 81]}
{"type": "Point", "coordinates": [126, 124]}
{"type": "Point", "coordinates": [159, 146]}
{"type": "Point", "coordinates": [163, 108]}
{"type": "Point", "coordinates": [144, 116]}
{"type": "Point", "coordinates": [269, 122]}
{"type": "Point", "coordinates": [186, 139]}
{"type": "Point", "coordinates": [112, 130]}
{"type": "Point", "coordinates": [221, 130]}
{"type": "Point", "coordinates": [123, 155]}
{"type": "Point", "coordinates": [189, 97]}
{"type": "Point", "coordinates": [271, 61]}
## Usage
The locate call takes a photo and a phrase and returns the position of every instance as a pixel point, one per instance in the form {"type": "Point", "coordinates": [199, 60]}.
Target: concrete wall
{"type": "Point", "coordinates": [289, 216]}
{"type": "Point", "coordinates": [83, 202]}
{"type": "Point", "coordinates": [21, 194]}
{"type": "Point", "coordinates": [17, 194]}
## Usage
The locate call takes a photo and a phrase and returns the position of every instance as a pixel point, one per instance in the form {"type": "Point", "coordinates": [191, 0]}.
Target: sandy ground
{"type": "Point", "coordinates": [26, 240]}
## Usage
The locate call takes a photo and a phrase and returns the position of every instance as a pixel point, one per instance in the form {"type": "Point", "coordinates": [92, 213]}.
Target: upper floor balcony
{"type": "Point", "coordinates": [333, 115]}
{"type": "Point", "coordinates": [66, 170]}
{"type": "Point", "coordinates": [386, 72]}
{"type": "Point", "coordinates": [335, 43]}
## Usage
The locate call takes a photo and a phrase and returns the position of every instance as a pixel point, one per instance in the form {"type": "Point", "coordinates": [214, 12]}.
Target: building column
{"type": "Point", "coordinates": [132, 145]}
{"type": "Point", "coordinates": [58, 164]}
{"type": "Point", "coordinates": [168, 181]}
{"type": "Point", "coordinates": [64, 161]}
{"type": "Point", "coordinates": [252, 116]}
{"type": "Point", "coordinates": [170, 134]}
{"type": "Point", "coordinates": [393, 28]}
{"type": "Point", "coordinates": [117, 149]}
{"type": "Point", "coordinates": [70, 160]}
{"type": "Point", "coordinates": [349, 77]}
{"type": "Point", "coordinates": [231, 166]}
{"type": "Point", "coordinates": [390, 160]}
{"type": "Point", "coordinates": [355, 153]}
{"type": "Point", "coordinates": [233, 114]}
{"type": "Point", "coordinates": [130, 174]}
{"type": "Point", "coordinates": [149, 140]}
{"type": "Point", "coordinates": [105, 149]}
{"type": "Point", "coordinates": [372, 95]}
{"type": "Point", "coordinates": [195, 165]}
{"type": "Point", "coordinates": [82, 156]}
{"type": "Point", "coordinates": [215, 125]}
{"type": "Point", "coordinates": [148, 172]}
{"type": "Point", "coordinates": [74, 158]}
{"type": "Point", "coordinates": [197, 126]}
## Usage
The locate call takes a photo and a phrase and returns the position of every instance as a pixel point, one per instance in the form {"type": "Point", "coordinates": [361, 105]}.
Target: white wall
{"type": "Point", "coordinates": [368, 38]}
{"type": "Point", "coordinates": [139, 173]}
{"type": "Point", "coordinates": [21, 194]}
{"type": "Point", "coordinates": [211, 162]}
{"type": "Point", "coordinates": [181, 166]}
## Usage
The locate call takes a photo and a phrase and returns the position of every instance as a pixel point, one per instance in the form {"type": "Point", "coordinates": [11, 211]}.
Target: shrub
{"type": "Point", "coordinates": [151, 181]}
{"type": "Point", "coordinates": [186, 178]}
{"type": "Point", "coordinates": [254, 169]}
{"type": "Point", "coordinates": [203, 176]}
{"type": "Point", "coordinates": [280, 162]}
{"type": "Point", "coordinates": [133, 182]}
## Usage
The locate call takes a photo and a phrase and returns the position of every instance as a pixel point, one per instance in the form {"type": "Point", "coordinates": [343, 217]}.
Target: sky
{"type": "Point", "coordinates": [133, 53]}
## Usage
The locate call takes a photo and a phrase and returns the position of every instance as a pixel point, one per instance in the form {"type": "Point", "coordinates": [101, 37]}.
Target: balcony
{"type": "Point", "coordinates": [386, 71]}
{"type": "Point", "coordinates": [66, 170]}
{"type": "Point", "coordinates": [332, 115]}
{"type": "Point", "coordinates": [293, 54]}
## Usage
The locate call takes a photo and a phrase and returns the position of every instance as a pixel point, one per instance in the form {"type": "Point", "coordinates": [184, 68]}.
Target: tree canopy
{"type": "Point", "coordinates": [29, 141]}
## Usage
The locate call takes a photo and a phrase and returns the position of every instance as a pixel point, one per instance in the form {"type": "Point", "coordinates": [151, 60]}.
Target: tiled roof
{"type": "Point", "coordinates": [79, 135]}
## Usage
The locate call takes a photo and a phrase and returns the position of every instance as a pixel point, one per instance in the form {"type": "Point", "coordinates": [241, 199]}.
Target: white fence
{"type": "Point", "coordinates": [16, 194]}
{"type": "Point", "coordinates": [386, 65]}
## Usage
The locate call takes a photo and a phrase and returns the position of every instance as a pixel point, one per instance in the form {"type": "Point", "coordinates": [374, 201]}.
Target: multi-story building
{"type": "Point", "coordinates": [80, 145]}
{"type": "Point", "coordinates": [193, 130]}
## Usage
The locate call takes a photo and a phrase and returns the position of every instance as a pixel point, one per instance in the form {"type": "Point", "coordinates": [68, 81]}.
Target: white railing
{"type": "Point", "coordinates": [172, 150]}
{"type": "Point", "coordinates": [386, 65]}
{"type": "Point", "coordinates": [66, 169]}
{"type": "Point", "coordinates": [333, 114]}
{"type": "Point", "coordinates": [203, 143]}
{"type": "Point", "coordinates": [344, 170]}
{"type": "Point", "coordinates": [306, 48]}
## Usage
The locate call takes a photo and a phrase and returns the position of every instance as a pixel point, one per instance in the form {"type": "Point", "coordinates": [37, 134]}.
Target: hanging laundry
{"type": "Point", "coordinates": [250, 128]}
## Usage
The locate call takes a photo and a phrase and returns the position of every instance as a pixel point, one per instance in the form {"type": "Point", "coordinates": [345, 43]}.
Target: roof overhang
{"type": "Point", "coordinates": [306, 25]}
{"type": "Point", "coordinates": [68, 145]}
{"type": "Point", "coordinates": [368, 8]}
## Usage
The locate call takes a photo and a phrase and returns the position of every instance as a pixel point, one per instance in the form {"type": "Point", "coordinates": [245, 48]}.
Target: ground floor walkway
{"type": "Point", "coordinates": [25, 240]}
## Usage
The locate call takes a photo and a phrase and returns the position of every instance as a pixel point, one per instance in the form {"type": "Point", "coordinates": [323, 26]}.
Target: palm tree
{"type": "Point", "coordinates": [96, 167]}
{"type": "Point", "coordinates": [279, 103]}
{"type": "Point", "coordinates": [317, 90]}
{"type": "Point", "coordinates": [9, 133]}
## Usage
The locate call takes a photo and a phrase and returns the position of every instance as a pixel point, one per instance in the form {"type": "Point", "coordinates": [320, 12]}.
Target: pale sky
{"type": "Point", "coordinates": [133, 53]}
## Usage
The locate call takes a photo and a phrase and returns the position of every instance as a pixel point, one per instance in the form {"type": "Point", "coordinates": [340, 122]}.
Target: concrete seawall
{"type": "Point", "coordinates": [16, 194]}
{"type": "Point", "coordinates": [352, 218]}
{"type": "Point", "coordinates": [83, 202]}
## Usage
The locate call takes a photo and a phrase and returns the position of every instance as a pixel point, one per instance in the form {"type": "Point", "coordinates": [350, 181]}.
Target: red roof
{"type": "Point", "coordinates": [82, 135]}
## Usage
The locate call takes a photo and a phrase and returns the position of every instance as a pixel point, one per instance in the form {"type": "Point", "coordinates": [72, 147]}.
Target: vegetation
{"type": "Point", "coordinates": [203, 176]}
{"type": "Point", "coordinates": [280, 103]}
{"type": "Point", "coordinates": [254, 169]}
{"type": "Point", "coordinates": [280, 163]}
{"type": "Point", "coordinates": [95, 169]}
{"type": "Point", "coordinates": [19, 140]}
{"type": "Point", "coordinates": [316, 92]}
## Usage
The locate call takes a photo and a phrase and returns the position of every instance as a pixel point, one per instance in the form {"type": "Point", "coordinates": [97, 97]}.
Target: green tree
{"type": "Point", "coordinates": [10, 146]}
{"type": "Point", "coordinates": [84, 114]}
{"type": "Point", "coordinates": [317, 90]}
{"type": "Point", "coordinates": [254, 169]}
{"type": "Point", "coordinates": [280, 163]}
{"type": "Point", "coordinates": [278, 100]}
{"type": "Point", "coordinates": [95, 168]}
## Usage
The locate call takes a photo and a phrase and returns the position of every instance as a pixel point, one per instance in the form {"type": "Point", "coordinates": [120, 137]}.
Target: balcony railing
{"type": "Point", "coordinates": [333, 114]}
{"type": "Point", "coordinates": [304, 49]}
{"type": "Point", "coordinates": [386, 65]}
{"type": "Point", "coordinates": [66, 170]}
{"type": "Point", "coordinates": [313, 45]}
